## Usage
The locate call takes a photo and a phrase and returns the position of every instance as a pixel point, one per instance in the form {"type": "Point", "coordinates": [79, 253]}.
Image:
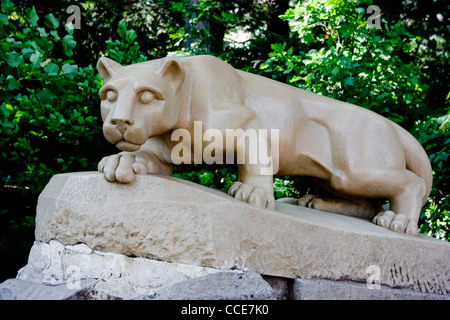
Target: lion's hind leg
{"type": "Point", "coordinates": [405, 203]}
{"type": "Point", "coordinates": [357, 207]}
{"type": "Point", "coordinates": [403, 189]}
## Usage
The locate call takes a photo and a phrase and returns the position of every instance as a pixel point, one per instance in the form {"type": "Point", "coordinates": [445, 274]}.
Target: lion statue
{"type": "Point", "coordinates": [357, 156]}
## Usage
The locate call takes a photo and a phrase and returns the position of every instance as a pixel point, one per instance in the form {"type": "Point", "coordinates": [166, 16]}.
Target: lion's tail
{"type": "Point", "coordinates": [417, 159]}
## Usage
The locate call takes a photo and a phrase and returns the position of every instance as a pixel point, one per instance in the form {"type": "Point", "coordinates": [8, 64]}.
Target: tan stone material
{"type": "Point", "coordinates": [320, 289]}
{"type": "Point", "coordinates": [173, 220]}
{"type": "Point", "coordinates": [175, 110]}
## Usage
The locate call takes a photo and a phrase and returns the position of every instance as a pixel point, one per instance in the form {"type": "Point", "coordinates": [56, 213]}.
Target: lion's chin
{"type": "Point", "coordinates": [127, 146]}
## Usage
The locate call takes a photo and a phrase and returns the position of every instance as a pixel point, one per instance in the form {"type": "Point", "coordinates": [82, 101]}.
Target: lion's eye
{"type": "Point", "coordinates": [146, 97]}
{"type": "Point", "coordinates": [111, 95]}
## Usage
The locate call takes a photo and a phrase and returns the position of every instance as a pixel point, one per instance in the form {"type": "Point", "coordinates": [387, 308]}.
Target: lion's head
{"type": "Point", "coordinates": [139, 101]}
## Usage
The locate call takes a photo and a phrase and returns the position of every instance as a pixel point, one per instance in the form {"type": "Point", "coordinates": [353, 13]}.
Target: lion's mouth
{"type": "Point", "coordinates": [127, 146]}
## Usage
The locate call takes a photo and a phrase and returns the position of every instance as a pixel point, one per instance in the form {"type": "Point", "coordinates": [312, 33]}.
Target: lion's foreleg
{"type": "Point", "coordinates": [255, 178]}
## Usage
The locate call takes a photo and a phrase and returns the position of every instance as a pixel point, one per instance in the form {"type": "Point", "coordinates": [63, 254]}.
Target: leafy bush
{"type": "Point", "coordinates": [49, 115]}
{"type": "Point", "coordinates": [125, 50]}
{"type": "Point", "coordinates": [47, 120]}
{"type": "Point", "coordinates": [346, 60]}
{"type": "Point", "coordinates": [217, 177]}
{"type": "Point", "coordinates": [238, 31]}
{"type": "Point", "coordinates": [434, 134]}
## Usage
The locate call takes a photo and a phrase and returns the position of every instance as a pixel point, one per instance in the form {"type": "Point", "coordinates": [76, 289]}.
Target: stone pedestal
{"type": "Point", "coordinates": [179, 222]}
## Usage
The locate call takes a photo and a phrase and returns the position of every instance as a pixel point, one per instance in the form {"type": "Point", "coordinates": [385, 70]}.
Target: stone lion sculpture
{"type": "Point", "coordinates": [356, 155]}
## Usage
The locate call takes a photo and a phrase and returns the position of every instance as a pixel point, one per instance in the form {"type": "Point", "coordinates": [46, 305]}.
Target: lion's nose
{"type": "Point", "coordinates": [121, 124]}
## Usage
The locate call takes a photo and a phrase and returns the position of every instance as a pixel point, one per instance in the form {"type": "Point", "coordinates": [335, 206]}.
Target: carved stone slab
{"type": "Point", "coordinates": [173, 220]}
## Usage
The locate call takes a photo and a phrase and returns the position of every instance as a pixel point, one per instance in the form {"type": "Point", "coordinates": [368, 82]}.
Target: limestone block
{"type": "Point", "coordinates": [78, 272]}
{"type": "Point", "coordinates": [169, 219]}
{"type": "Point", "coordinates": [243, 285]}
{"type": "Point", "coordinates": [16, 289]}
{"type": "Point", "coordinates": [118, 276]}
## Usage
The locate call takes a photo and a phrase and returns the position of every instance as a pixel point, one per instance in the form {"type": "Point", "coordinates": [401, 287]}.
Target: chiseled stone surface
{"type": "Point", "coordinates": [320, 289]}
{"type": "Point", "coordinates": [169, 219]}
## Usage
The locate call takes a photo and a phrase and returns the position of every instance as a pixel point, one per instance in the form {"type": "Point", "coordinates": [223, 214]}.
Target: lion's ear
{"type": "Point", "coordinates": [107, 67]}
{"type": "Point", "coordinates": [173, 72]}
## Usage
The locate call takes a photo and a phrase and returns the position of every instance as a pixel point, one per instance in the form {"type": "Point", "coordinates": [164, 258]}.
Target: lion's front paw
{"type": "Point", "coordinates": [251, 194]}
{"type": "Point", "coordinates": [124, 166]}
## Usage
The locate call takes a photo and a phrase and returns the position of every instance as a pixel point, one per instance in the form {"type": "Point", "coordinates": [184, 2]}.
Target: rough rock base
{"type": "Point", "coordinates": [58, 272]}
{"type": "Point", "coordinates": [165, 238]}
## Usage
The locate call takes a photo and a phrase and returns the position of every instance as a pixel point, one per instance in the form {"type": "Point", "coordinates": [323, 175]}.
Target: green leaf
{"type": "Point", "coordinates": [42, 32]}
{"type": "Point", "coordinates": [278, 47]}
{"type": "Point", "coordinates": [131, 35]}
{"type": "Point", "coordinates": [68, 40]}
{"type": "Point", "coordinates": [51, 22]}
{"type": "Point", "coordinates": [14, 59]}
{"type": "Point", "coordinates": [5, 47]}
{"type": "Point", "coordinates": [46, 96]}
{"type": "Point", "coordinates": [36, 59]}
{"type": "Point", "coordinates": [444, 126]}
{"type": "Point", "coordinates": [32, 17]}
{"type": "Point", "coordinates": [3, 20]}
{"type": "Point", "coordinates": [12, 83]}
{"type": "Point", "coordinates": [54, 33]}
{"type": "Point", "coordinates": [51, 69]}
{"type": "Point", "coordinates": [13, 43]}
{"type": "Point", "coordinates": [70, 28]}
{"type": "Point", "coordinates": [6, 4]}
{"type": "Point", "coordinates": [53, 119]}
{"type": "Point", "coordinates": [70, 70]}
{"type": "Point", "coordinates": [335, 71]}
{"type": "Point", "coordinates": [348, 81]}
{"type": "Point", "coordinates": [26, 51]}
